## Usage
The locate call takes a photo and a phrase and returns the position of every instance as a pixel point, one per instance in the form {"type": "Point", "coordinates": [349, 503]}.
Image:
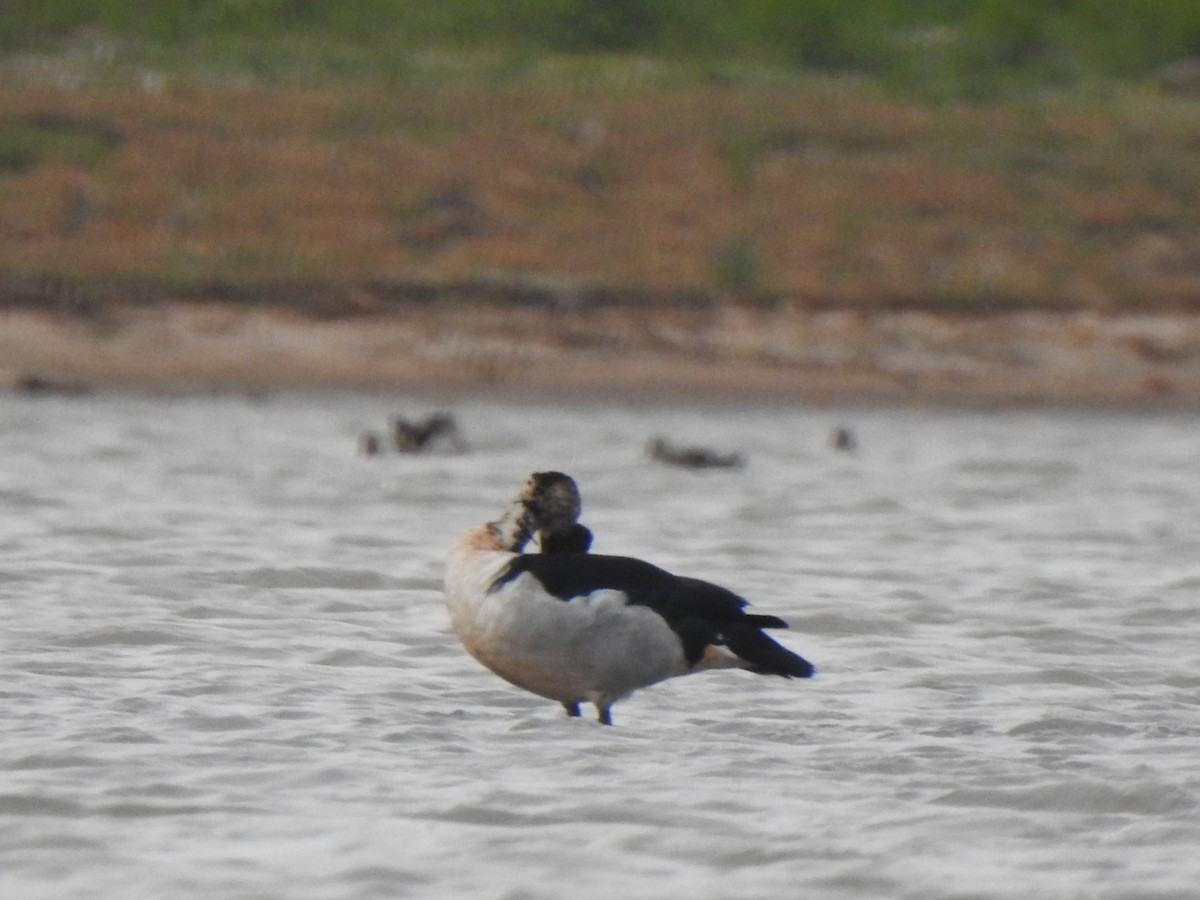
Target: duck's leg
{"type": "Point", "coordinates": [572, 709]}
{"type": "Point", "coordinates": [603, 715]}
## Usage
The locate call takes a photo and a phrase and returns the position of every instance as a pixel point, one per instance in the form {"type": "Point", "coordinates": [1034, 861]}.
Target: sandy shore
{"type": "Point", "coordinates": [1071, 359]}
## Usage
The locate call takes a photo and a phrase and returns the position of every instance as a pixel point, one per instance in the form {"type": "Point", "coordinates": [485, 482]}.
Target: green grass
{"type": "Point", "coordinates": [934, 49]}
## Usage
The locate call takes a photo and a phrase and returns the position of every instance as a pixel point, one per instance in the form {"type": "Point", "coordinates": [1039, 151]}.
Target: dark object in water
{"type": "Point", "coordinates": [692, 457]}
{"type": "Point", "coordinates": [416, 436]}
{"type": "Point", "coordinates": [369, 443]}
{"type": "Point", "coordinates": [40, 385]}
{"type": "Point", "coordinates": [842, 438]}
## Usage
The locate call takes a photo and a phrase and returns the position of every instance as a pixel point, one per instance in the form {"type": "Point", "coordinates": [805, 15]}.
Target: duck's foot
{"type": "Point", "coordinates": [572, 709]}
{"type": "Point", "coordinates": [603, 715]}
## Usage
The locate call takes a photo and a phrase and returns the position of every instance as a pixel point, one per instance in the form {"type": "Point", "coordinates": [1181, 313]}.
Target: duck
{"type": "Point", "coordinates": [577, 627]}
{"type": "Point", "coordinates": [843, 439]}
{"type": "Point", "coordinates": [417, 436]}
{"type": "Point", "coordinates": [660, 450]}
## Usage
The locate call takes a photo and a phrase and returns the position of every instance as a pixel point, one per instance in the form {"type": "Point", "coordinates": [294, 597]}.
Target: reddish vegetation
{"type": "Point", "coordinates": [818, 242]}
{"type": "Point", "coordinates": [824, 195]}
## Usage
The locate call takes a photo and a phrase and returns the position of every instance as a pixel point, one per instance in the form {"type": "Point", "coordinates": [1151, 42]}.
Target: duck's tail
{"type": "Point", "coordinates": [761, 654]}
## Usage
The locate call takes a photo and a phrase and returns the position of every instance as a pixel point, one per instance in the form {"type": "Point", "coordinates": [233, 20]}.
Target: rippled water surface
{"type": "Point", "coordinates": [227, 673]}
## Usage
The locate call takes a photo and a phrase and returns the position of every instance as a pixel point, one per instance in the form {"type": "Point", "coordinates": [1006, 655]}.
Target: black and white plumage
{"type": "Point", "coordinates": [578, 627]}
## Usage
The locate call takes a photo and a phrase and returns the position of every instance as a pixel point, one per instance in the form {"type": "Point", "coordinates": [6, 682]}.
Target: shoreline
{"type": "Point", "coordinates": [816, 243]}
{"type": "Point", "coordinates": [1078, 359]}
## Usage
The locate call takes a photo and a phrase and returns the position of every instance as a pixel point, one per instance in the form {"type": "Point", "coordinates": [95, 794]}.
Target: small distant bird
{"type": "Point", "coordinates": [413, 437]}
{"type": "Point", "coordinates": [692, 457]}
{"type": "Point", "coordinates": [369, 443]}
{"type": "Point", "coordinates": [842, 438]}
{"type": "Point", "coordinates": [40, 385]}
{"type": "Point", "coordinates": [577, 627]}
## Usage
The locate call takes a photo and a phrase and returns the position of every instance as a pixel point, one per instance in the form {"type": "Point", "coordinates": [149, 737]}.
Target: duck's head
{"type": "Point", "coordinates": [548, 503]}
{"type": "Point", "coordinates": [551, 501]}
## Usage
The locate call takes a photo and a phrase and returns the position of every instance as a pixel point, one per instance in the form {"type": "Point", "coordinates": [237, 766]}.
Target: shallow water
{"type": "Point", "coordinates": [227, 673]}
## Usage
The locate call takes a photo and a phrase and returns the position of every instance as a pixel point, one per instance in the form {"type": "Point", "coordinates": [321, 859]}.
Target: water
{"type": "Point", "coordinates": [226, 670]}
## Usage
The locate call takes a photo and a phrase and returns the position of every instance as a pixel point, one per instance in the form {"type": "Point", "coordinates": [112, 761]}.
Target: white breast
{"type": "Point", "coordinates": [588, 648]}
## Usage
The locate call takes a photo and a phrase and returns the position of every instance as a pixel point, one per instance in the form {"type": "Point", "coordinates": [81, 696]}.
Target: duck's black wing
{"type": "Point", "coordinates": [699, 612]}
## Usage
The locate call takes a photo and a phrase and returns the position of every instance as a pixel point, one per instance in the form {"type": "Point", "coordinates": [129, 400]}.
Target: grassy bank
{"type": "Point", "coordinates": [141, 166]}
{"type": "Point", "coordinates": [934, 46]}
